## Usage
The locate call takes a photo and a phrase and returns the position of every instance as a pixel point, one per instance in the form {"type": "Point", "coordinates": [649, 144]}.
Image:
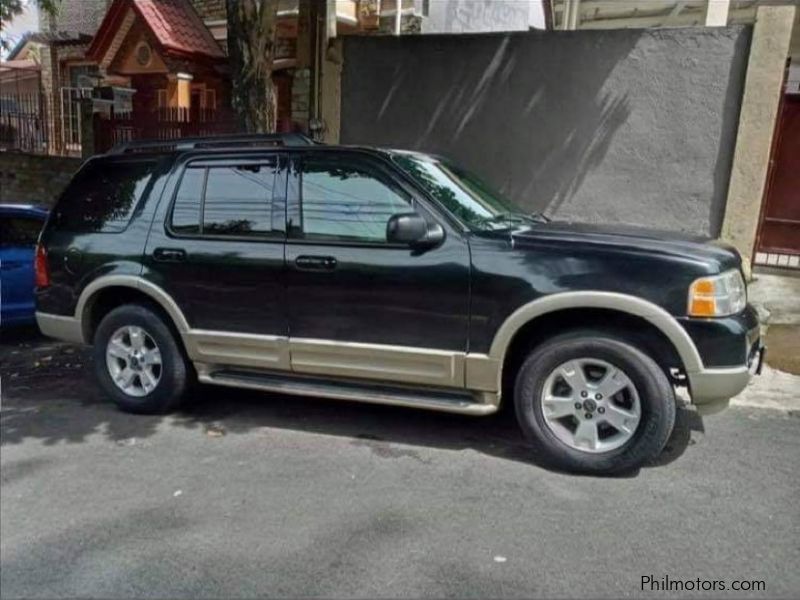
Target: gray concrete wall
{"type": "Point", "coordinates": [621, 126]}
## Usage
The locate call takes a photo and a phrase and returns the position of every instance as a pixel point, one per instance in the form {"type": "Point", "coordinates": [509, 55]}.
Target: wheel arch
{"type": "Point", "coordinates": [542, 318]}
{"type": "Point", "coordinates": [114, 290]}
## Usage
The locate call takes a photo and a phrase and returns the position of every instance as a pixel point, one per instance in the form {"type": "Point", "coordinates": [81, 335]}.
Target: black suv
{"type": "Point", "coordinates": [275, 263]}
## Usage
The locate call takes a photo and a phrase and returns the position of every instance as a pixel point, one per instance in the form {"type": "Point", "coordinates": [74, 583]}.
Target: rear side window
{"type": "Point", "coordinates": [225, 200]}
{"type": "Point", "coordinates": [237, 200]}
{"type": "Point", "coordinates": [103, 196]}
{"type": "Point", "coordinates": [19, 231]}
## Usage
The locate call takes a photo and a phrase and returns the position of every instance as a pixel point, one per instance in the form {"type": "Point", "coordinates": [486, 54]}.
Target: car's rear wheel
{"type": "Point", "coordinates": [595, 404]}
{"type": "Point", "coordinates": [138, 361]}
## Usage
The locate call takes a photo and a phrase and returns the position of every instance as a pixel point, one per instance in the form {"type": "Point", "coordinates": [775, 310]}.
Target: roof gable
{"type": "Point", "coordinates": [174, 24]}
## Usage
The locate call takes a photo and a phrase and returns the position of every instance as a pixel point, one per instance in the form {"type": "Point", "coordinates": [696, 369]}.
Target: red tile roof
{"type": "Point", "coordinates": [178, 26]}
{"type": "Point", "coordinates": [174, 23]}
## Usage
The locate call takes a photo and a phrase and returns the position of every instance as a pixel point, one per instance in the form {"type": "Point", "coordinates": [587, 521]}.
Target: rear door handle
{"type": "Point", "coordinates": [315, 263]}
{"type": "Point", "coordinates": [169, 254]}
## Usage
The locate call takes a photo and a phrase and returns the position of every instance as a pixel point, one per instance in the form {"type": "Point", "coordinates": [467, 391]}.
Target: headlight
{"type": "Point", "coordinates": [717, 296]}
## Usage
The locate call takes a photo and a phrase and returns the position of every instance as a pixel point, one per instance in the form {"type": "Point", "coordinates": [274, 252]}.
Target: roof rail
{"type": "Point", "coordinates": [217, 141]}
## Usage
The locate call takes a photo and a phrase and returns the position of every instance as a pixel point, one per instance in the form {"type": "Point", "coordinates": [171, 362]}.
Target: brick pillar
{"type": "Point", "coordinates": [51, 96]}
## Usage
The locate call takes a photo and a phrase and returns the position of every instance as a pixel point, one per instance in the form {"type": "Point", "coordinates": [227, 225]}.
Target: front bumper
{"type": "Point", "coordinates": [711, 389]}
{"type": "Point", "coordinates": [724, 342]}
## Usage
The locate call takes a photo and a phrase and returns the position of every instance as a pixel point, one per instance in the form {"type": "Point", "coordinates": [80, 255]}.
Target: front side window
{"type": "Point", "coordinates": [224, 200]}
{"type": "Point", "coordinates": [466, 196]}
{"type": "Point", "coordinates": [344, 202]}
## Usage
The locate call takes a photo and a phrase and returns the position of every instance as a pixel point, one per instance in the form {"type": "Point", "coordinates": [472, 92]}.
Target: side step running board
{"type": "Point", "coordinates": [453, 402]}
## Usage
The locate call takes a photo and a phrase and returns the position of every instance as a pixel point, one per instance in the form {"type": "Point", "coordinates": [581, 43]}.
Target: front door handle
{"type": "Point", "coordinates": [169, 254]}
{"type": "Point", "coordinates": [315, 263]}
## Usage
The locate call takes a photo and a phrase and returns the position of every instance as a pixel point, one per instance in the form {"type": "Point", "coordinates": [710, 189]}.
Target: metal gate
{"type": "Point", "coordinates": [71, 118]}
{"type": "Point", "coordinates": [778, 240]}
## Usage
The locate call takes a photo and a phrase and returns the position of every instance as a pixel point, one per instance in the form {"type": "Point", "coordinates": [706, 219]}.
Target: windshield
{"type": "Point", "coordinates": [463, 194]}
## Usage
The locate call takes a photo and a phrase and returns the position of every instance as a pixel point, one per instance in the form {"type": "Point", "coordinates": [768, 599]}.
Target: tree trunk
{"type": "Point", "coordinates": [251, 47]}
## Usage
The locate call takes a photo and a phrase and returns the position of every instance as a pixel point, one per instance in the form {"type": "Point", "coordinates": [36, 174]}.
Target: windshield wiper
{"type": "Point", "coordinates": [539, 217]}
{"type": "Point", "coordinates": [505, 217]}
{"type": "Point", "coordinates": [509, 217]}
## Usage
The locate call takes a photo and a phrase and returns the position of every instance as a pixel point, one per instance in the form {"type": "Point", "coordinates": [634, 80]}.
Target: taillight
{"type": "Point", "coordinates": [41, 267]}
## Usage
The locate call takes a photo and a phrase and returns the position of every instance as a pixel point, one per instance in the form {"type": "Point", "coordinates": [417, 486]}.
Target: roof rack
{"type": "Point", "coordinates": [217, 141]}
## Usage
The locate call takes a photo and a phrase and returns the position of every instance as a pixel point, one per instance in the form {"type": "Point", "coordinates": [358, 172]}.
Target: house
{"type": "Point", "coordinates": [162, 51]}
{"type": "Point", "coordinates": [20, 77]}
{"type": "Point", "coordinates": [152, 56]}
{"type": "Point", "coordinates": [61, 62]}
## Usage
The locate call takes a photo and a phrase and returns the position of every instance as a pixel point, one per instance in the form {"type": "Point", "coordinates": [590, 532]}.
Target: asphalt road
{"type": "Point", "coordinates": [249, 495]}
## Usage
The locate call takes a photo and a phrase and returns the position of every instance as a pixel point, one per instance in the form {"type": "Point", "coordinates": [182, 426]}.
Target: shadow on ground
{"type": "Point", "coordinates": [49, 394]}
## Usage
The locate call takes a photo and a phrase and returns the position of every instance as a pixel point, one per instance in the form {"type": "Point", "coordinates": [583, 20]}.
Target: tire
{"type": "Point", "coordinates": [622, 441]}
{"type": "Point", "coordinates": [154, 388]}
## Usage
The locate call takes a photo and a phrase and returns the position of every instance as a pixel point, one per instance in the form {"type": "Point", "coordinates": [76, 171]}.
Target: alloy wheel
{"type": "Point", "coordinates": [591, 405]}
{"type": "Point", "coordinates": [133, 360]}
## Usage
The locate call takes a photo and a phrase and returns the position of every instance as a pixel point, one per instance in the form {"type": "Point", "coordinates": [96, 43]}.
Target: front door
{"type": "Point", "coordinates": [361, 307]}
{"type": "Point", "coordinates": [220, 255]}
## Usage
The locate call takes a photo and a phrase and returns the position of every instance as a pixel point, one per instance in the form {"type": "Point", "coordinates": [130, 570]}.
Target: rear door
{"type": "Point", "coordinates": [18, 235]}
{"type": "Point", "coordinates": [219, 252]}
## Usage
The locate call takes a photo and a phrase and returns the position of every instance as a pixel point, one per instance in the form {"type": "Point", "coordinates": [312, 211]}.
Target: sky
{"type": "Point", "coordinates": [20, 25]}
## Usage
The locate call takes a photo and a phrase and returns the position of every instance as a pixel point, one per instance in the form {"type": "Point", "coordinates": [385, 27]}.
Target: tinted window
{"type": "Point", "coordinates": [224, 200]}
{"type": "Point", "coordinates": [238, 200]}
{"type": "Point", "coordinates": [344, 202]}
{"type": "Point", "coordinates": [19, 231]}
{"type": "Point", "coordinates": [103, 195]}
{"type": "Point", "coordinates": [463, 194]}
{"type": "Point", "coordinates": [186, 211]}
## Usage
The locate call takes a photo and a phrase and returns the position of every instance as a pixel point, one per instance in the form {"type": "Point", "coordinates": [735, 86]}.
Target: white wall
{"type": "Point", "coordinates": [479, 16]}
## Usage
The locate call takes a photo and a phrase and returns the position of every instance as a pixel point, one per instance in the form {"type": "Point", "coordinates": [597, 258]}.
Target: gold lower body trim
{"type": "Point", "coordinates": [354, 360]}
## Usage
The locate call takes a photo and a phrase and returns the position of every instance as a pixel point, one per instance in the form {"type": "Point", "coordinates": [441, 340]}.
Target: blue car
{"type": "Point", "coordinates": [20, 225]}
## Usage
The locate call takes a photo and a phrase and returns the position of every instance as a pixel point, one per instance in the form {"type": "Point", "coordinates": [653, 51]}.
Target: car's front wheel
{"type": "Point", "coordinates": [595, 404]}
{"type": "Point", "coordinates": [138, 361]}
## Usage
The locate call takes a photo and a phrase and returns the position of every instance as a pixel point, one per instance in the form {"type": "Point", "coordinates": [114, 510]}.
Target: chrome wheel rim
{"type": "Point", "coordinates": [591, 405]}
{"type": "Point", "coordinates": [133, 360]}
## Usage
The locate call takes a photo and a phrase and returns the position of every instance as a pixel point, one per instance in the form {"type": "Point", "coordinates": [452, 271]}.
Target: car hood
{"type": "Point", "coordinates": [632, 239]}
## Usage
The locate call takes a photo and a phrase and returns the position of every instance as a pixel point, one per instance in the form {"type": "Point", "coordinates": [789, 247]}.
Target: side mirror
{"type": "Point", "coordinates": [412, 229]}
